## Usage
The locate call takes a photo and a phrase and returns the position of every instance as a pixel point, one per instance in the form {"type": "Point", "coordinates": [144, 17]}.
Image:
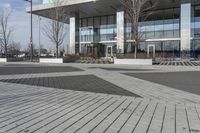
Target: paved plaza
{"type": "Point", "coordinates": [83, 98]}
{"type": "Point", "coordinates": [27, 69]}
{"type": "Point", "coordinates": [187, 81]}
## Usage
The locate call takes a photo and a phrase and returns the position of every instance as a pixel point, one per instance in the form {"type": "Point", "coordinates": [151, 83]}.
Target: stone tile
{"type": "Point", "coordinates": [87, 83]}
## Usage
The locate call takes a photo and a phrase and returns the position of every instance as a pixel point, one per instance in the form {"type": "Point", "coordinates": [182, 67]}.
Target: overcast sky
{"type": "Point", "coordinates": [20, 22]}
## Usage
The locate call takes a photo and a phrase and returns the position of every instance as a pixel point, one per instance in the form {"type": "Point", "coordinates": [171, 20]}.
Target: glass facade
{"type": "Point", "coordinates": [159, 29]}
{"type": "Point", "coordinates": [86, 30]}
{"type": "Point", "coordinates": [98, 29]}
{"type": "Point", "coordinates": [98, 32]}
{"type": "Point", "coordinates": [108, 28]}
{"type": "Point", "coordinates": [164, 30]}
{"type": "Point", "coordinates": [195, 28]}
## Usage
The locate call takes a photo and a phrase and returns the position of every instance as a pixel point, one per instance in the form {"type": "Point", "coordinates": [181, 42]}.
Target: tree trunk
{"type": "Point", "coordinates": [56, 50]}
{"type": "Point", "coordinates": [135, 53]}
{"type": "Point", "coordinates": [6, 51]}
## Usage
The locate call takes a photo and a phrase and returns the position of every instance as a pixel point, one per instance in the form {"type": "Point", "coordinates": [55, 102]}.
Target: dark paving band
{"type": "Point", "coordinates": [13, 70]}
{"type": "Point", "coordinates": [88, 83]}
{"type": "Point", "coordinates": [186, 81]}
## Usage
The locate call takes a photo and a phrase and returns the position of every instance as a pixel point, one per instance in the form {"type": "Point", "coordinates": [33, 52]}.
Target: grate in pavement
{"type": "Point", "coordinates": [88, 83]}
{"type": "Point", "coordinates": [121, 69]}
{"type": "Point", "coordinates": [177, 63]}
{"type": "Point", "coordinates": [36, 69]}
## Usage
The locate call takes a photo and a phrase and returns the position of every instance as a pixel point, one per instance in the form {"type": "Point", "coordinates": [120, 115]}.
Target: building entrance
{"type": "Point", "coordinates": [109, 51]}
{"type": "Point", "coordinates": [151, 51]}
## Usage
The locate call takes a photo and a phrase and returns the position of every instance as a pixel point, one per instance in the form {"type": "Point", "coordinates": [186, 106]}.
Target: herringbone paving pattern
{"type": "Point", "coordinates": [26, 108]}
{"type": "Point", "coordinates": [41, 110]}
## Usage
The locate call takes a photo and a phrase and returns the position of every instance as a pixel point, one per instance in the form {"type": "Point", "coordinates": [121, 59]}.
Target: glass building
{"type": "Point", "coordinates": [98, 28]}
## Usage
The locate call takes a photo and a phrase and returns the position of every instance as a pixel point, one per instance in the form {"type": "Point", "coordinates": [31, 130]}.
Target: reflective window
{"type": "Point", "coordinates": [159, 34]}
{"type": "Point", "coordinates": [150, 35]}
{"type": "Point", "coordinates": [150, 26]}
{"type": "Point", "coordinates": [98, 29]}
{"type": "Point", "coordinates": [195, 48]}
{"type": "Point", "coordinates": [162, 24]}
{"type": "Point", "coordinates": [159, 25]}
{"type": "Point", "coordinates": [108, 28]}
{"type": "Point", "coordinates": [90, 22]}
{"type": "Point", "coordinates": [86, 30]}
{"type": "Point", "coordinates": [156, 29]}
{"type": "Point", "coordinates": [169, 24]}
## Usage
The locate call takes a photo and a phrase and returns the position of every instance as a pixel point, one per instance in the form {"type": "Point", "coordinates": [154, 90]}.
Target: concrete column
{"type": "Point", "coordinates": [120, 31]}
{"type": "Point", "coordinates": [72, 35]}
{"type": "Point", "coordinates": [185, 30]}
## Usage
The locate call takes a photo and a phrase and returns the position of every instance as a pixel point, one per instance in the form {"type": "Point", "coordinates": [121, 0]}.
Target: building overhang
{"type": "Point", "coordinates": [92, 8]}
{"type": "Point", "coordinates": [85, 8]}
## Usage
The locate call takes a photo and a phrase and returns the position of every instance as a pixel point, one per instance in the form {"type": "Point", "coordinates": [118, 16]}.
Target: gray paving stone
{"type": "Point", "coordinates": [35, 69]}
{"type": "Point", "coordinates": [88, 83]}
{"type": "Point", "coordinates": [27, 108]}
{"type": "Point", "coordinates": [185, 81]}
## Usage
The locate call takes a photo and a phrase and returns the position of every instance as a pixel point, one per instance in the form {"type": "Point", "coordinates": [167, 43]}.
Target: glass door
{"type": "Point", "coordinates": [109, 51]}
{"type": "Point", "coordinates": [151, 51]}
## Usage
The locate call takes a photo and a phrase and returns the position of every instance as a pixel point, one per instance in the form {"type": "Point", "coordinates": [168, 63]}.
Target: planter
{"type": "Point", "coordinates": [51, 60]}
{"type": "Point", "coordinates": [3, 59]}
{"type": "Point", "coordinates": [133, 61]}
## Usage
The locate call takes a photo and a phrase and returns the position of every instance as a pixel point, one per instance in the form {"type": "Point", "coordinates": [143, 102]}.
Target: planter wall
{"type": "Point", "coordinates": [51, 60]}
{"type": "Point", "coordinates": [3, 59]}
{"type": "Point", "coordinates": [133, 61]}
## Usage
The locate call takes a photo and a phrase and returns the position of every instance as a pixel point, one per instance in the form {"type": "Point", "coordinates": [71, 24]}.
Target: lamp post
{"type": "Point", "coordinates": [31, 38]}
{"type": "Point", "coordinates": [39, 36]}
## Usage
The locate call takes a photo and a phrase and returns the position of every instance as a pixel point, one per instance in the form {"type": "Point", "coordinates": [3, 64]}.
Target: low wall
{"type": "Point", "coordinates": [3, 59]}
{"type": "Point", "coordinates": [133, 61]}
{"type": "Point", "coordinates": [51, 60]}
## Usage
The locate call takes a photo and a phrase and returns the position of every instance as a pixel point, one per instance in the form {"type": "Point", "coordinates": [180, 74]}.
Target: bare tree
{"type": "Point", "coordinates": [1, 46]}
{"type": "Point", "coordinates": [5, 30]}
{"type": "Point", "coordinates": [14, 49]}
{"type": "Point", "coordinates": [136, 10]}
{"type": "Point", "coordinates": [54, 29]}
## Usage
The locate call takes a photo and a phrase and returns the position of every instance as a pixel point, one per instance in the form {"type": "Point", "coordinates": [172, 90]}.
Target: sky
{"type": "Point", "coordinates": [20, 22]}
